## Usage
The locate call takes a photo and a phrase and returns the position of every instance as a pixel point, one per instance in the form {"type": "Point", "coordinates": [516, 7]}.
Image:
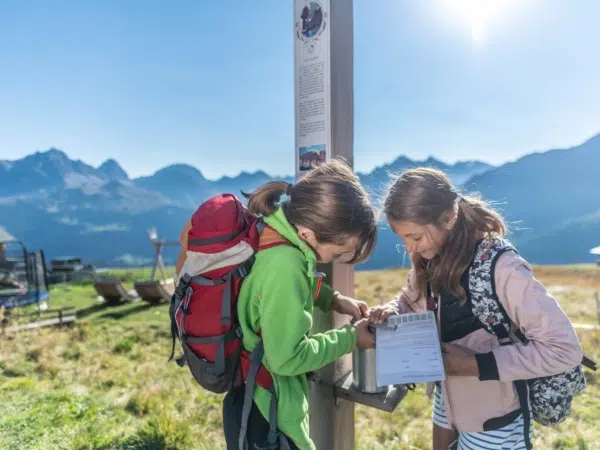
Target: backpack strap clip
{"type": "Point", "coordinates": [243, 270]}
{"type": "Point", "coordinates": [184, 282]}
{"type": "Point", "coordinates": [502, 334]}
{"type": "Point", "coordinates": [176, 303]}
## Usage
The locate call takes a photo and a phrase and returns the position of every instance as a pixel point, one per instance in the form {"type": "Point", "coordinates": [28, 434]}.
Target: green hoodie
{"type": "Point", "coordinates": [277, 298]}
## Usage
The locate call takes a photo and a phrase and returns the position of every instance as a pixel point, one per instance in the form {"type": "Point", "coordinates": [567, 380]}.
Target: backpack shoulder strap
{"type": "Point", "coordinates": [482, 289]}
{"type": "Point", "coordinates": [484, 301]}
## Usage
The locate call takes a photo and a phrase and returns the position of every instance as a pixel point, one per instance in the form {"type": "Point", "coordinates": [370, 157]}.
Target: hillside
{"type": "Point", "coordinates": [551, 199]}
{"type": "Point", "coordinates": [545, 190]}
{"type": "Point", "coordinates": [572, 241]}
{"type": "Point", "coordinates": [68, 207]}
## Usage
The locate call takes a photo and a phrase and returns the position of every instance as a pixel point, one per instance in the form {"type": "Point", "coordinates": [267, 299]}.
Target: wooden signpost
{"type": "Point", "coordinates": [324, 117]}
{"type": "Point", "coordinates": [323, 35]}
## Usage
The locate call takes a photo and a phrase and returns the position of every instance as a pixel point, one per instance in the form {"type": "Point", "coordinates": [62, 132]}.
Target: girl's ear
{"type": "Point", "coordinates": [450, 220]}
{"type": "Point", "coordinates": [307, 235]}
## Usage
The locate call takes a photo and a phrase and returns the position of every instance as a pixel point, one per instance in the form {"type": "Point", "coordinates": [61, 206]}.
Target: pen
{"type": "Point", "coordinates": [382, 325]}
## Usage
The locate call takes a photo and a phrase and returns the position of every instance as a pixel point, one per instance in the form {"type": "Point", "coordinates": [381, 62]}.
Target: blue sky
{"type": "Point", "coordinates": [210, 83]}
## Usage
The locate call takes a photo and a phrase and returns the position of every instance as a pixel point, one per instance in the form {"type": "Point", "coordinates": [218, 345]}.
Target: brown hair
{"type": "Point", "coordinates": [425, 196]}
{"type": "Point", "coordinates": [329, 200]}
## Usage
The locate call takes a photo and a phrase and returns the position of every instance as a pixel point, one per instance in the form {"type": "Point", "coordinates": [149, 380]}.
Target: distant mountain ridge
{"type": "Point", "coordinates": [551, 199]}
{"type": "Point", "coordinates": [181, 184]}
{"type": "Point", "coordinates": [69, 207]}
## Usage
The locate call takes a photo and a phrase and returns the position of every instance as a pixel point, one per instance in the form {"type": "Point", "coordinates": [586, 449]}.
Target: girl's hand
{"type": "Point", "coordinates": [364, 338]}
{"type": "Point", "coordinates": [379, 314]}
{"type": "Point", "coordinates": [345, 305]}
{"type": "Point", "coordinates": [459, 361]}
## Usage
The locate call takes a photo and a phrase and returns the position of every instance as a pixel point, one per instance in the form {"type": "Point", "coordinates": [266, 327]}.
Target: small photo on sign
{"type": "Point", "coordinates": [312, 19]}
{"type": "Point", "coordinates": [311, 157]}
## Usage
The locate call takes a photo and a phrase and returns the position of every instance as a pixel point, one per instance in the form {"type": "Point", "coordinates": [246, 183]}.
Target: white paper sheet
{"type": "Point", "coordinates": [408, 350]}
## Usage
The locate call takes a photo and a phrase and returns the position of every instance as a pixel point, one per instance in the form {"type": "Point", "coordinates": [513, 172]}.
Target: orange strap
{"type": "Point", "coordinates": [271, 238]}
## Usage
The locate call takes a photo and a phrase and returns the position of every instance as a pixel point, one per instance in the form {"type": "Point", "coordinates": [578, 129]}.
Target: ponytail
{"type": "Point", "coordinates": [478, 215]}
{"type": "Point", "coordinates": [265, 199]}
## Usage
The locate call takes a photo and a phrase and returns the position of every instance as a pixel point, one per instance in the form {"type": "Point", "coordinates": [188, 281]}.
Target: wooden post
{"type": "Point", "coordinates": [161, 263]}
{"type": "Point", "coordinates": [156, 259]}
{"type": "Point", "coordinates": [325, 124]}
{"type": "Point", "coordinates": [3, 319]}
{"type": "Point", "coordinates": [598, 306]}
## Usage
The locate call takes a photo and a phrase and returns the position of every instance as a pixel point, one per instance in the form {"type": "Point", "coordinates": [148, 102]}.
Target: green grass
{"type": "Point", "coordinates": [104, 382]}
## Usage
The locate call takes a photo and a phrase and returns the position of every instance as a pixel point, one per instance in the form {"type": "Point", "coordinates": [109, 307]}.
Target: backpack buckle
{"type": "Point", "coordinates": [267, 445]}
{"type": "Point", "coordinates": [502, 334]}
{"type": "Point", "coordinates": [505, 341]}
{"type": "Point", "coordinates": [244, 269]}
{"type": "Point", "coordinates": [184, 282]}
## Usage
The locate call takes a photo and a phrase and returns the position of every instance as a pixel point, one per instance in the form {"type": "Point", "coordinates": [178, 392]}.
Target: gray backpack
{"type": "Point", "coordinates": [548, 398]}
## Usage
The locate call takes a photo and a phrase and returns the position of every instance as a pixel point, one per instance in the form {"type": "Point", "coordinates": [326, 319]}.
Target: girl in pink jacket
{"type": "Point", "coordinates": [477, 406]}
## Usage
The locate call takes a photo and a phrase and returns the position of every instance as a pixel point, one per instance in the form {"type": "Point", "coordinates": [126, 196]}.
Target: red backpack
{"type": "Point", "coordinates": [222, 242]}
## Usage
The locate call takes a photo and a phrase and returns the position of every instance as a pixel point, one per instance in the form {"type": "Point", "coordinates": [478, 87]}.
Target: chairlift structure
{"type": "Point", "coordinates": [157, 291]}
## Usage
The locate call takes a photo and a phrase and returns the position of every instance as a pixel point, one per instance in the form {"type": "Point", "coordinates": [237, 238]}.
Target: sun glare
{"type": "Point", "coordinates": [477, 26]}
{"type": "Point", "coordinates": [476, 13]}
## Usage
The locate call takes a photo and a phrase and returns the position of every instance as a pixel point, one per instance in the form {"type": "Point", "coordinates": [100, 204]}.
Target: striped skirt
{"type": "Point", "coordinates": [510, 437]}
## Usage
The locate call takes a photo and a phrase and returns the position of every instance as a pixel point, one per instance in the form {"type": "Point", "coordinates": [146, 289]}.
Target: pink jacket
{"type": "Point", "coordinates": [554, 346]}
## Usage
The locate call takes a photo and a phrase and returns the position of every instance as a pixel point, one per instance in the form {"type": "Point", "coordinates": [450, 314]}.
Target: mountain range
{"type": "Point", "coordinates": [67, 207]}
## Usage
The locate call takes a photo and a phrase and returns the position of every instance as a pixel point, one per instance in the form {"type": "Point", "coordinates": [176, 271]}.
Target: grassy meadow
{"type": "Point", "coordinates": [104, 382]}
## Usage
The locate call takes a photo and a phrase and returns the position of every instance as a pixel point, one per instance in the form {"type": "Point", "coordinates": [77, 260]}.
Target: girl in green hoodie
{"type": "Point", "coordinates": [327, 217]}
